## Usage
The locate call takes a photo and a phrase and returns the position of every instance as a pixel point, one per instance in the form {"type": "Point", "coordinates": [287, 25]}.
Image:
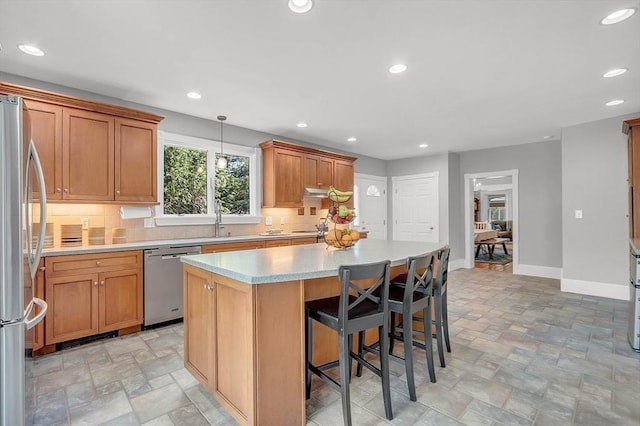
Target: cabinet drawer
{"type": "Point", "coordinates": [215, 248]}
{"type": "Point", "coordinates": [70, 265]}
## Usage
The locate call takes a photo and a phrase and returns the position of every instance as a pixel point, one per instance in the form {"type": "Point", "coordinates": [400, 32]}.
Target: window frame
{"type": "Point", "coordinates": [212, 147]}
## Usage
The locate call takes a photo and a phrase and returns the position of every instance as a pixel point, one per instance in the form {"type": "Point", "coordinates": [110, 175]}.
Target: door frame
{"type": "Point", "coordinates": [383, 182]}
{"type": "Point", "coordinates": [394, 202]}
{"type": "Point", "coordinates": [468, 216]}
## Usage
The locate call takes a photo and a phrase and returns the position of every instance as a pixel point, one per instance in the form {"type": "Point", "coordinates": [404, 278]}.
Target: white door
{"type": "Point", "coordinates": [415, 207]}
{"type": "Point", "coordinates": [371, 205]}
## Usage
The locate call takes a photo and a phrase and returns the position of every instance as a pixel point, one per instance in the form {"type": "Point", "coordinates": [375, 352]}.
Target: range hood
{"type": "Point", "coordinates": [315, 192]}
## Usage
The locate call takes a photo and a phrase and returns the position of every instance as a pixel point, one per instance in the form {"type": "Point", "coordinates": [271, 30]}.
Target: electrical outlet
{"type": "Point", "coordinates": [149, 223]}
{"type": "Point", "coordinates": [578, 214]}
{"type": "Point", "coordinates": [85, 222]}
{"type": "Point", "coordinates": [281, 220]}
{"type": "Point", "coordinates": [268, 220]}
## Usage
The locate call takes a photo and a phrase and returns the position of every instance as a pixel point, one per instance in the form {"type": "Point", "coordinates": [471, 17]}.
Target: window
{"type": "Point", "coordinates": [497, 209]}
{"type": "Point", "coordinates": [189, 182]}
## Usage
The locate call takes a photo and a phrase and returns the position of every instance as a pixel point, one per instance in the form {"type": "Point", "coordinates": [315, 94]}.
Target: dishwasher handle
{"type": "Point", "coordinates": [173, 256]}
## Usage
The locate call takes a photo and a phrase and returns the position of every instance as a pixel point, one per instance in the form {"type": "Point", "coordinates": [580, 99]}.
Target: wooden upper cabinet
{"type": "Point", "coordinates": [46, 133]}
{"type": "Point", "coordinates": [282, 177]}
{"type": "Point", "coordinates": [318, 171]}
{"type": "Point", "coordinates": [632, 129]}
{"type": "Point", "coordinates": [289, 168]}
{"type": "Point", "coordinates": [90, 151]}
{"type": "Point", "coordinates": [87, 156]}
{"type": "Point", "coordinates": [135, 161]}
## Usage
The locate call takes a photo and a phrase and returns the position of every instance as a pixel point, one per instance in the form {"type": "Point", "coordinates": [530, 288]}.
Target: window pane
{"type": "Point", "coordinates": [232, 185]}
{"type": "Point", "coordinates": [185, 181]}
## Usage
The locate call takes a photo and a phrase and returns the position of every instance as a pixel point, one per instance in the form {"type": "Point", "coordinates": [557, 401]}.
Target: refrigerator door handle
{"type": "Point", "coordinates": [34, 257]}
{"type": "Point", "coordinates": [43, 311]}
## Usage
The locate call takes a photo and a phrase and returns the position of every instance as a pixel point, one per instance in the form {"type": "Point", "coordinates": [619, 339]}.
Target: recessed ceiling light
{"type": "Point", "coordinates": [194, 95]}
{"type": "Point", "coordinates": [302, 125]}
{"type": "Point", "coordinates": [618, 16]}
{"type": "Point", "coordinates": [614, 102]}
{"type": "Point", "coordinates": [352, 139]}
{"type": "Point", "coordinates": [546, 137]}
{"type": "Point", "coordinates": [300, 6]}
{"type": "Point", "coordinates": [30, 50]}
{"type": "Point", "coordinates": [614, 73]}
{"type": "Point", "coordinates": [423, 145]}
{"type": "Point", "coordinates": [397, 68]}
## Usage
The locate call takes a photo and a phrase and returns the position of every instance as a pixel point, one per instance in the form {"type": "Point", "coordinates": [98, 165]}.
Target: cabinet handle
{"type": "Point", "coordinates": [118, 191]}
{"type": "Point", "coordinates": [95, 283]}
{"type": "Point", "coordinates": [58, 190]}
{"type": "Point", "coordinates": [102, 283]}
{"type": "Point", "coordinates": [42, 268]}
{"type": "Point", "coordinates": [66, 191]}
{"type": "Point", "coordinates": [97, 263]}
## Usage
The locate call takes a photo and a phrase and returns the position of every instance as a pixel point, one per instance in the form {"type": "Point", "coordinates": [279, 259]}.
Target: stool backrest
{"type": "Point", "coordinates": [440, 285]}
{"type": "Point", "coordinates": [482, 225]}
{"type": "Point", "coordinates": [418, 281]}
{"type": "Point", "coordinates": [377, 293]}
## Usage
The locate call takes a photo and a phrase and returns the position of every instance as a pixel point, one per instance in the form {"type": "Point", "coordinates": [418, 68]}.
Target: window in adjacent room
{"type": "Point", "coordinates": [189, 181]}
{"type": "Point", "coordinates": [497, 209]}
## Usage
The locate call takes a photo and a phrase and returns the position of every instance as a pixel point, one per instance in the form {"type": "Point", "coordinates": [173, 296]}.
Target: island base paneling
{"type": "Point", "coordinates": [245, 344]}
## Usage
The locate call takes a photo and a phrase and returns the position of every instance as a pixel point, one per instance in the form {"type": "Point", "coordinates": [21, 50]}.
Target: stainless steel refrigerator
{"type": "Point", "coordinates": [22, 200]}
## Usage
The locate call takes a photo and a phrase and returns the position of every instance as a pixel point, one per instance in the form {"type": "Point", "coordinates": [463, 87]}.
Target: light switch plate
{"type": "Point", "coordinates": [281, 220]}
{"type": "Point", "coordinates": [578, 214]}
{"type": "Point", "coordinates": [268, 220]}
{"type": "Point", "coordinates": [85, 222]}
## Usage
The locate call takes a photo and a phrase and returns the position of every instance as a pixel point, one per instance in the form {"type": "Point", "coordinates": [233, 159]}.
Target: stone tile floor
{"type": "Point", "coordinates": [523, 353]}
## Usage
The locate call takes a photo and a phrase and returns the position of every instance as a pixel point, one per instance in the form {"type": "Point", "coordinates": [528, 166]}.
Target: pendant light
{"type": "Point", "coordinates": [222, 160]}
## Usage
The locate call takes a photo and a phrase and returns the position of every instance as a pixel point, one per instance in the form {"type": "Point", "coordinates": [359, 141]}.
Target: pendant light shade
{"type": "Point", "coordinates": [222, 160]}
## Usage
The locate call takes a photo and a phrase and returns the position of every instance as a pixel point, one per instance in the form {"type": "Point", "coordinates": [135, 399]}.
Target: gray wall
{"type": "Point", "coordinates": [540, 195]}
{"type": "Point", "coordinates": [594, 180]}
{"type": "Point", "coordinates": [420, 165]}
{"type": "Point", "coordinates": [194, 126]}
{"type": "Point", "coordinates": [456, 207]}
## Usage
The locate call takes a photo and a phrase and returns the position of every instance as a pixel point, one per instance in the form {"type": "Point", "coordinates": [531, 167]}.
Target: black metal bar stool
{"type": "Point", "coordinates": [354, 310]}
{"type": "Point", "coordinates": [441, 319]}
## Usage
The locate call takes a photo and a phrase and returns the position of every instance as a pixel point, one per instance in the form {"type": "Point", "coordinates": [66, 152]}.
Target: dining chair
{"type": "Point", "coordinates": [356, 309]}
{"type": "Point", "coordinates": [409, 293]}
{"type": "Point", "coordinates": [441, 319]}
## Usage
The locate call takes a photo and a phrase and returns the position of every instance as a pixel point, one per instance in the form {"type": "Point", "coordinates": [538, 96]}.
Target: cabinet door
{"type": "Point", "coordinates": [73, 307]}
{"type": "Point", "coordinates": [135, 161]}
{"type": "Point", "coordinates": [46, 133]}
{"type": "Point", "coordinates": [343, 178]}
{"type": "Point", "coordinates": [318, 172]}
{"type": "Point", "coordinates": [88, 156]}
{"type": "Point", "coordinates": [199, 325]}
{"type": "Point", "coordinates": [120, 299]}
{"type": "Point", "coordinates": [288, 178]}
{"type": "Point", "coordinates": [302, 241]}
{"type": "Point", "coordinates": [634, 182]}
{"type": "Point", "coordinates": [38, 330]}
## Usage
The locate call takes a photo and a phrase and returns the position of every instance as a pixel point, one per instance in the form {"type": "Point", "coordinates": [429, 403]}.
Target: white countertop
{"type": "Point", "coordinates": [140, 245]}
{"type": "Point", "coordinates": [289, 263]}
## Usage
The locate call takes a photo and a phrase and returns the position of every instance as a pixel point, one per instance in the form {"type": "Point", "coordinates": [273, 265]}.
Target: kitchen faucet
{"type": "Point", "coordinates": [217, 209]}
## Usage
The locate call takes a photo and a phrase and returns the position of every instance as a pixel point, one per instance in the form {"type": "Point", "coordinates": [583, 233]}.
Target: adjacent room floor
{"type": "Point", "coordinates": [523, 353]}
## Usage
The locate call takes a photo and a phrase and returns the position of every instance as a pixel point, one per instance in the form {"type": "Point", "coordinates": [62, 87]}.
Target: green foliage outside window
{"type": "Point", "coordinates": [185, 181]}
{"type": "Point", "coordinates": [232, 185]}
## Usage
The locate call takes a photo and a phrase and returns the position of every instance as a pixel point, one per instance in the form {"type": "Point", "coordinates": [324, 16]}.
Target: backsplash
{"type": "Point", "coordinates": [108, 216]}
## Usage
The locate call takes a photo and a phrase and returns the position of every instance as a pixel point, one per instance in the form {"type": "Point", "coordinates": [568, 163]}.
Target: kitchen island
{"type": "Point", "coordinates": [244, 321]}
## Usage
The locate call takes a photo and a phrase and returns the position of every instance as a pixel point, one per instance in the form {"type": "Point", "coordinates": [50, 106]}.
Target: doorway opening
{"type": "Point", "coordinates": [491, 220]}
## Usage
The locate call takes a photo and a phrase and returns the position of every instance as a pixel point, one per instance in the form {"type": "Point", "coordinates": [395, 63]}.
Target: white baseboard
{"type": "Point", "coordinates": [537, 271]}
{"type": "Point", "coordinates": [456, 264]}
{"type": "Point", "coordinates": [592, 288]}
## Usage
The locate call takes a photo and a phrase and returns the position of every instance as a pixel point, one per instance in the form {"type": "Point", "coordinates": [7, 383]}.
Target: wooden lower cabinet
{"type": "Point", "coordinates": [34, 338]}
{"type": "Point", "coordinates": [237, 347]}
{"type": "Point", "coordinates": [217, 248]}
{"type": "Point", "coordinates": [92, 294]}
{"type": "Point", "coordinates": [301, 241]}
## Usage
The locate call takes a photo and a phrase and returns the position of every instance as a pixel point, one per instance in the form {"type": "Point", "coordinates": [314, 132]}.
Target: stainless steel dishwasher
{"type": "Point", "coordinates": [163, 283]}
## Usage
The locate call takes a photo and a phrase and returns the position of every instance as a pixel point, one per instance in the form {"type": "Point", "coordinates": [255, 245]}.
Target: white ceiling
{"type": "Point", "coordinates": [481, 73]}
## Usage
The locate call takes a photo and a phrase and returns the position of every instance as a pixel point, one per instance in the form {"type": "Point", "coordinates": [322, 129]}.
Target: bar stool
{"type": "Point", "coordinates": [441, 320]}
{"type": "Point", "coordinates": [410, 293]}
{"type": "Point", "coordinates": [354, 310]}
